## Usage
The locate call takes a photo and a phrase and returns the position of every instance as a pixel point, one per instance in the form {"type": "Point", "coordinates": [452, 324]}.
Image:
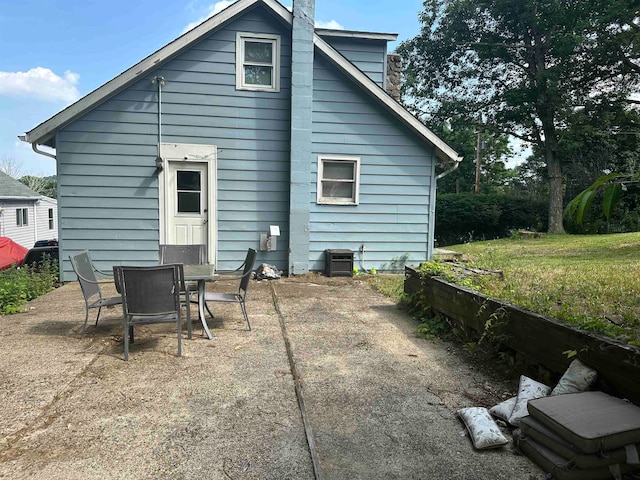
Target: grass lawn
{"type": "Point", "coordinates": [591, 281]}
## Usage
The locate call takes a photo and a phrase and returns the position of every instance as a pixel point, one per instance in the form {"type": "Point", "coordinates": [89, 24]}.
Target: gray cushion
{"type": "Point", "coordinates": [558, 466]}
{"type": "Point", "coordinates": [539, 433]}
{"type": "Point", "coordinates": [592, 421]}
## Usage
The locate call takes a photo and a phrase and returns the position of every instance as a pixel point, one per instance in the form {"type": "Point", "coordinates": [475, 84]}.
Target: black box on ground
{"type": "Point", "coordinates": [338, 262]}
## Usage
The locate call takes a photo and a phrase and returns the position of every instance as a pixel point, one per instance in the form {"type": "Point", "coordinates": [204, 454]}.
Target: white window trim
{"type": "Point", "coordinates": [241, 37]}
{"type": "Point", "coordinates": [332, 200]}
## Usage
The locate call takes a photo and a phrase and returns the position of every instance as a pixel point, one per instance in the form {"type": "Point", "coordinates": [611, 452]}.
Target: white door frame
{"type": "Point", "coordinates": [190, 153]}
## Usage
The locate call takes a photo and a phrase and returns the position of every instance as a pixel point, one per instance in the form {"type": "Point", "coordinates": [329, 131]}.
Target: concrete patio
{"type": "Point", "coordinates": [380, 402]}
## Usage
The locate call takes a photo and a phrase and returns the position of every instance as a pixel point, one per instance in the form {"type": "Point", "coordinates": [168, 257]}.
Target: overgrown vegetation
{"type": "Point", "coordinates": [18, 286]}
{"type": "Point", "coordinates": [390, 285]}
{"type": "Point", "coordinates": [465, 217]}
{"type": "Point", "coordinates": [588, 281]}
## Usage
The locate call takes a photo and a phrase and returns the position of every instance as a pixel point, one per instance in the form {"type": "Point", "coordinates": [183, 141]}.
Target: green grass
{"type": "Point", "coordinates": [391, 285]}
{"type": "Point", "coordinates": [590, 281]}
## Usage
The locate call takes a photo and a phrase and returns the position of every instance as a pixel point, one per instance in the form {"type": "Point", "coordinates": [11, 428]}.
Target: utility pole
{"type": "Point", "coordinates": [478, 161]}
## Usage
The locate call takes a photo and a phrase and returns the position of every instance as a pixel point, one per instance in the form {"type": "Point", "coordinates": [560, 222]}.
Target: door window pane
{"type": "Point", "coordinates": [189, 191]}
{"type": "Point", "coordinates": [188, 180]}
{"type": "Point", "coordinates": [188, 202]}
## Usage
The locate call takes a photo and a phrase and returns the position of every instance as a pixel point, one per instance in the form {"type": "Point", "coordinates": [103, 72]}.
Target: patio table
{"type": "Point", "coordinates": [201, 274]}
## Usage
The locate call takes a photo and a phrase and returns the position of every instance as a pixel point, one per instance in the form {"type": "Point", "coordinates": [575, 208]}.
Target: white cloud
{"type": "Point", "coordinates": [332, 24]}
{"type": "Point", "coordinates": [40, 83]}
{"type": "Point", "coordinates": [213, 9]}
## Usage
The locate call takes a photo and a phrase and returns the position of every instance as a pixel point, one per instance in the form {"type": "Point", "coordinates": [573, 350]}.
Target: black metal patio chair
{"type": "Point", "coordinates": [150, 295]}
{"type": "Point", "coordinates": [187, 255]}
{"type": "Point", "coordinates": [90, 285]}
{"type": "Point", "coordinates": [239, 297]}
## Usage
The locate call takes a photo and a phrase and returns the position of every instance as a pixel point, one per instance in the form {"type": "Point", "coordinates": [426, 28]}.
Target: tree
{"type": "Point", "coordinates": [519, 67]}
{"type": "Point", "coordinates": [47, 186]}
{"type": "Point", "coordinates": [495, 150]}
{"type": "Point", "coordinates": [10, 166]}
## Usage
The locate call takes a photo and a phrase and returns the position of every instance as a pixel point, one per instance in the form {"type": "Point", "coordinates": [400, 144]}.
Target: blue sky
{"type": "Point", "coordinates": [53, 52]}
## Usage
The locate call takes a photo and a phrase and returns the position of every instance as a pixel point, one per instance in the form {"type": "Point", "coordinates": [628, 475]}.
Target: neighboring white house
{"type": "Point", "coordinates": [25, 215]}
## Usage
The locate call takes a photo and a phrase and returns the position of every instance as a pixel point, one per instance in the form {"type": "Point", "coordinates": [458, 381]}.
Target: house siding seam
{"type": "Point", "coordinates": [113, 211]}
{"type": "Point", "coordinates": [392, 218]}
{"type": "Point", "coordinates": [370, 56]}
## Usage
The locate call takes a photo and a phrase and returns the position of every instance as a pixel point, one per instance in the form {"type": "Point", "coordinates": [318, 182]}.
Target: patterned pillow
{"type": "Point", "coordinates": [577, 378]}
{"type": "Point", "coordinates": [503, 410]}
{"type": "Point", "coordinates": [483, 430]}
{"type": "Point", "coordinates": [528, 390]}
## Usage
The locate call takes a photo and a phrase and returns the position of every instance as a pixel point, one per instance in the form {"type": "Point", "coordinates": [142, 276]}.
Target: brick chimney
{"type": "Point", "coordinates": [394, 75]}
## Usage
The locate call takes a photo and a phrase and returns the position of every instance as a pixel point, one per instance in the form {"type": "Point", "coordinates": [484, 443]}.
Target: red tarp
{"type": "Point", "coordinates": [10, 252]}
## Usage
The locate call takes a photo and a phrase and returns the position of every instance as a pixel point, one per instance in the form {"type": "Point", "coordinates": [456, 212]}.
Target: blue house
{"type": "Point", "coordinates": [250, 125]}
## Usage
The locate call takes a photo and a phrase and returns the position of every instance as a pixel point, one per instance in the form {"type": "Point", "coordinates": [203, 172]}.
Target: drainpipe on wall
{"type": "Point", "coordinates": [432, 204]}
{"type": "Point", "coordinates": [301, 106]}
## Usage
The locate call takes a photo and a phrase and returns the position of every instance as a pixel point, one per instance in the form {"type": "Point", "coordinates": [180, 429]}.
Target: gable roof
{"type": "Point", "coordinates": [12, 189]}
{"type": "Point", "coordinates": [44, 134]}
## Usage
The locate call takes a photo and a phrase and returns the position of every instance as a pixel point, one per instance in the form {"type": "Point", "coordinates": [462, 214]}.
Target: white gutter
{"type": "Point", "coordinates": [452, 169]}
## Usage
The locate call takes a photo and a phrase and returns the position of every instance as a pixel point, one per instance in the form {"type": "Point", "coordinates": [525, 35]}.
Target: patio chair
{"type": "Point", "coordinates": [242, 289]}
{"type": "Point", "coordinates": [90, 285]}
{"type": "Point", "coordinates": [150, 295]}
{"type": "Point", "coordinates": [189, 255]}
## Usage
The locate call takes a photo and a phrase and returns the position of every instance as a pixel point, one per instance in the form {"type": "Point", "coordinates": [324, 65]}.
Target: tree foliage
{"type": "Point", "coordinates": [494, 151]}
{"type": "Point", "coordinates": [521, 68]}
{"type": "Point", "coordinates": [47, 186]}
{"type": "Point", "coordinates": [461, 218]}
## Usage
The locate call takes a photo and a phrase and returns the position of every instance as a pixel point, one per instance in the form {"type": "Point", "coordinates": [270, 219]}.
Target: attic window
{"type": "Point", "coordinates": [338, 180]}
{"type": "Point", "coordinates": [258, 62]}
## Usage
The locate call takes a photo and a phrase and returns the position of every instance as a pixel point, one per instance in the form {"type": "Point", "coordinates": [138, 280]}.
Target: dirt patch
{"type": "Point", "coordinates": [381, 401]}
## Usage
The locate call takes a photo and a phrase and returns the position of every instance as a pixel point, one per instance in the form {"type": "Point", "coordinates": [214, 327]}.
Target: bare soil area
{"type": "Point", "coordinates": [381, 402]}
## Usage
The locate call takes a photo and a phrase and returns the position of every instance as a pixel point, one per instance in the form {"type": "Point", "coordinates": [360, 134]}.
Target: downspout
{"type": "Point", "coordinates": [432, 204]}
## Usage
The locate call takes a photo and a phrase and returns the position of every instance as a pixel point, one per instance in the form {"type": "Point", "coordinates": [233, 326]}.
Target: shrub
{"type": "Point", "coordinates": [464, 217]}
{"type": "Point", "coordinates": [18, 286]}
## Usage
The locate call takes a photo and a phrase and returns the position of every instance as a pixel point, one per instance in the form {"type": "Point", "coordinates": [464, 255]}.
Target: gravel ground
{"type": "Point", "coordinates": [380, 402]}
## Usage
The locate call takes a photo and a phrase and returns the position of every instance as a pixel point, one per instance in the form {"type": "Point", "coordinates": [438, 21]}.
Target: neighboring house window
{"type": "Point", "coordinates": [51, 219]}
{"type": "Point", "coordinates": [22, 217]}
{"type": "Point", "coordinates": [258, 62]}
{"type": "Point", "coordinates": [338, 180]}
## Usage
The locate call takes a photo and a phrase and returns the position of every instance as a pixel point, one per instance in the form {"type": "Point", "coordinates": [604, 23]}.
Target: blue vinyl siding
{"type": "Point", "coordinates": [108, 187]}
{"type": "Point", "coordinates": [392, 218]}
{"type": "Point", "coordinates": [370, 56]}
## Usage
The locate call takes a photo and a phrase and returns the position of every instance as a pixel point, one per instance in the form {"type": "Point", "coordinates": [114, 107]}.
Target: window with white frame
{"type": "Point", "coordinates": [22, 217]}
{"type": "Point", "coordinates": [258, 62]}
{"type": "Point", "coordinates": [51, 225]}
{"type": "Point", "coordinates": [338, 180]}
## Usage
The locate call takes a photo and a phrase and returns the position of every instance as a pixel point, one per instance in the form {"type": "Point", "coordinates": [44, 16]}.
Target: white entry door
{"type": "Point", "coordinates": [187, 185]}
{"type": "Point", "coordinates": [188, 212]}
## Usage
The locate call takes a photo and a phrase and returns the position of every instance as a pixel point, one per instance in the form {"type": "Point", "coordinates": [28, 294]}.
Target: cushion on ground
{"type": "Point", "coordinates": [483, 430]}
{"type": "Point", "coordinates": [577, 378]}
{"type": "Point", "coordinates": [503, 410]}
{"type": "Point", "coordinates": [592, 421]}
{"type": "Point", "coordinates": [528, 390]}
{"type": "Point", "coordinates": [558, 466]}
{"type": "Point", "coordinates": [535, 430]}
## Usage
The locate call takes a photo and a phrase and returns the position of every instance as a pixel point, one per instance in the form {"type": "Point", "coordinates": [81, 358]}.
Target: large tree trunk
{"type": "Point", "coordinates": [555, 188]}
